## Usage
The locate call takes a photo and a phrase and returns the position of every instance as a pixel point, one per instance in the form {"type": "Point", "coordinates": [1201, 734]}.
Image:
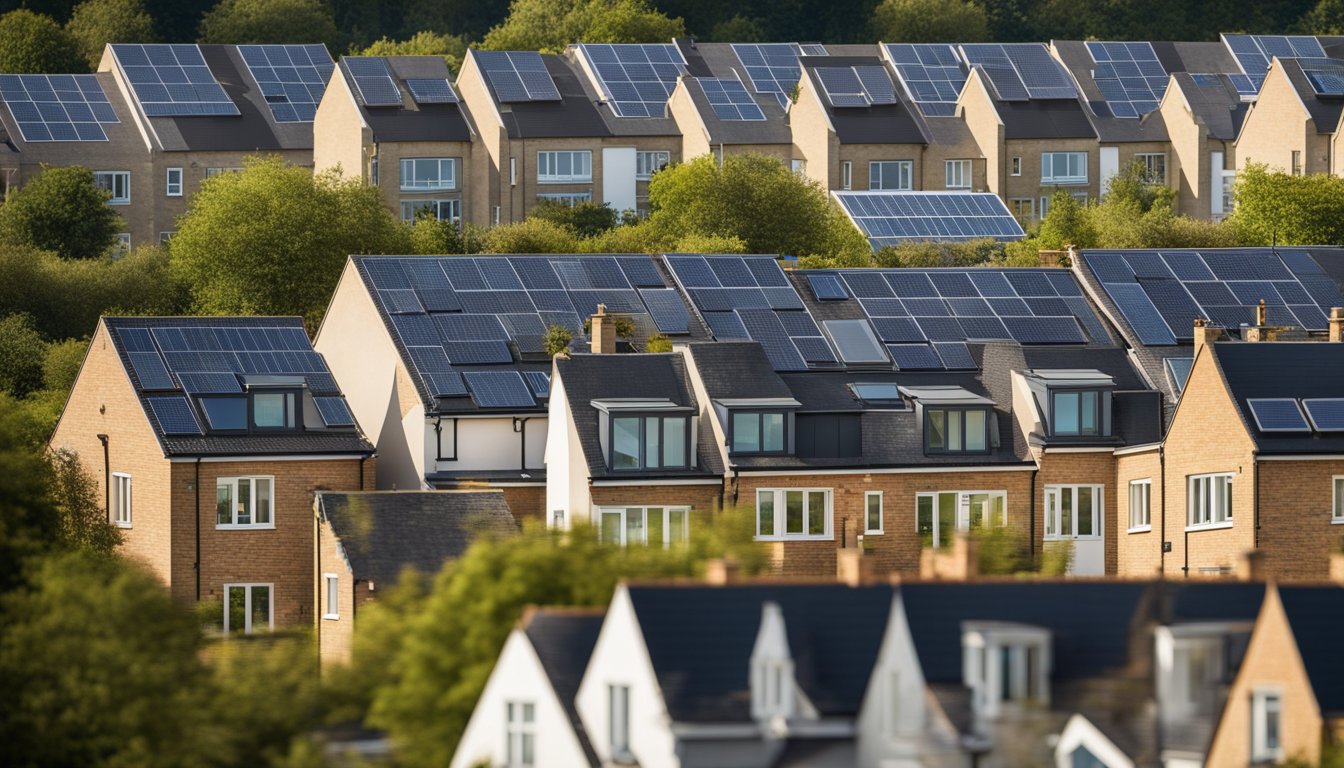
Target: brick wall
{"type": "Point", "coordinates": [1296, 530]}
{"type": "Point", "coordinates": [526, 502]}
{"type": "Point", "coordinates": [335, 637]}
{"type": "Point", "coordinates": [1081, 469]}
{"type": "Point", "coordinates": [1138, 553]}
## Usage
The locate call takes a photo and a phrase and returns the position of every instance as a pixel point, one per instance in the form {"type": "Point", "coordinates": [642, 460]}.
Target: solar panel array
{"type": "Point", "coordinates": [517, 76]}
{"type": "Point", "coordinates": [1162, 293]}
{"type": "Point", "coordinates": [862, 86]}
{"type": "Point", "coordinates": [932, 75]}
{"type": "Point", "coordinates": [1326, 413]}
{"type": "Point", "coordinates": [1325, 75]}
{"type": "Point", "coordinates": [635, 79]}
{"type": "Point", "coordinates": [172, 80]}
{"type": "Point", "coordinates": [292, 78]}
{"type": "Point", "coordinates": [729, 99]}
{"type": "Point", "coordinates": [173, 364]}
{"type": "Point", "coordinates": [1254, 52]}
{"type": "Point", "coordinates": [1020, 71]}
{"type": "Point", "coordinates": [1129, 76]}
{"type": "Point", "coordinates": [1243, 84]}
{"type": "Point", "coordinates": [772, 67]}
{"type": "Point", "coordinates": [57, 107]}
{"type": "Point", "coordinates": [433, 90]}
{"type": "Point", "coordinates": [452, 314]}
{"type": "Point", "coordinates": [1286, 414]}
{"type": "Point", "coordinates": [373, 81]}
{"type": "Point", "coordinates": [891, 218]}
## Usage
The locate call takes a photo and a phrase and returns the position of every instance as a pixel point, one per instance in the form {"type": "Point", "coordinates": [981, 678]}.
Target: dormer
{"type": "Point", "coordinates": [954, 420]}
{"type": "Point", "coordinates": [773, 698]}
{"type": "Point", "coordinates": [1005, 665]}
{"type": "Point", "coordinates": [639, 434]}
{"type": "Point", "coordinates": [1070, 405]}
{"type": "Point", "coordinates": [761, 426]}
{"type": "Point", "coordinates": [1194, 661]}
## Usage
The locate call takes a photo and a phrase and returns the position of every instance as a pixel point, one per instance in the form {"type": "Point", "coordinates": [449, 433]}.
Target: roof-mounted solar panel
{"type": "Point", "coordinates": [499, 389]}
{"type": "Point", "coordinates": [813, 49]}
{"type": "Point", "coordinates": [1020, 71]}
{"type": "Point", "coordinates": [828, 287]}
{"type": "Point", "coordinates": [890, 218]}
{"type": "Point", "coordinates": [931, 74]}
{"type": "Point", "coordinates": [436, 90]}
{"type": "Point", "coordinates": [1254, 52]}
{"type": "Point", "coordinates": [517, 76]}
{"type": "Point", "coordinates": [634, 79]}
{"type": "Point", "coordinates": [57, 107]}
{"type": "Point", "coordinates": [334, 411]}
{"type": "Point", "coordinates": [1278, 414]}
{"type": "Point", "coordinates": [1129, 76]}
{"type": "Point", "coordinates": [773, 68]}
{"type": "Point", "coordinates": [1326, 413]}
{"type": "Point", "coordinates": [843, 87]}
{"type": "Point", "coordinates": [174, 414]}
{"type": "Point", "coordinates": [292, 78]}
{"type": "Point", "coordinates": [373, 81]}
{"type": "Point", "coordinates": [172, 80]}
{"type": "Point", "coordinates": [729, 100]}
{"type": "Point", "coordinates": [1325, 75]}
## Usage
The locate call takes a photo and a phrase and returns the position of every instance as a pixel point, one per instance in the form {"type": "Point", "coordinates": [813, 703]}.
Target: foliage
{"type": "Point", "coordinates": [583, 219]}
{"type": "Point", "coordinates": [22, 352]}
{"type": "Point", "coordinates": [1277, 208]}
{"type": "Point", "coordinates": [556, 340]}
{"type": "Point", "coordinates": [268, 21]}
{"type": "Point", "coordinates": [453, 48]}
{"type": "Point", "coordinates": [429, 237]}
{"type": "Point", "coordinates": [930, 21]}
{"type": "Point", "coordinates": [62, 363]}
{"type": "Point", "coordinates": [264, 693]}
{"type": "Point", "coordinates": [739, 29]}
{"type": "Point", "coordinates": [658, 343]}
{"type": "Point", "coordinates": [96, 23]}
{"type": "Point", "coordinates": [696, 242]}
{"type": "Point", "coordinates": [28, 520]}
{"type": "Point", "coordinates": [550, 25]}
{"type": "Point", "coordinates": [34, 43]}
{"type": "Point", "coordinates": [62, 210]}
{"type": "Point", "coordinates": [532, 235]}
{"type": "Point", "coordinates": [972, 253]}
{"type": "Point", "coordinates": [79, 507]}
{"type": "Point", "coordinates": [272, 239]}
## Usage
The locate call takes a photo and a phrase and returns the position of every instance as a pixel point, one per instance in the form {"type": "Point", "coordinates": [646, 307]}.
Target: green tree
{"type": "Point", "coordinates": [1327, 18]}
{"type": "Point", "coordinates": [61, 210]}
{"type": "Point", "coordinates": [96, 23]}
{"type": "Point", "coordinates": [550, 25]}
{"type": "Point", "coordinates": [531, 235]}
{"type": "Point", "coordinates": [273, 238]}
{"type": "Point", "coordinates": [33, 43]}
{"type": "Point", "coordinates": [22, 352]}
{"type": "Point", "coordinates": [451, 47]}
{"type": "Point", "coordinates": [29, 524]}
{"type": "Point", "coordinates": [739, 29]}
{"type": "Point", "coordinates": [62, 363]}
{"type": "Point", "coordinates": [583, 219]}
{"type": "Point", "coordinates": [1067, 223]}
{"type": "Point", "coordinates": [432, 237]}
{"type": "Point", "coordinates": [1274, 207]}
{"type": "Point", "coordinates": [81, 511]}
{"type": "Point", "coordinates": [556, 339]}
{"type": "Point", "coordinates": [629, 21]}
{"type": "Point", "coordinates": [930, 21]}
{"type": "Point", "coordinates": [268, 21]}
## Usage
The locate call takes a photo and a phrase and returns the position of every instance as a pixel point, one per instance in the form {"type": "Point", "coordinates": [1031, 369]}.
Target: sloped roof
{"type": "Point", "coordinates": [1314, 615]}
{"type": "Point", "coordinates": [412, 121]}
{"type": "Point", "coordinates": [564, 639]}
{"type": "Point", "coordinates": [898, 123]}
{"type": "Point", "coordinates": [1284, 369]}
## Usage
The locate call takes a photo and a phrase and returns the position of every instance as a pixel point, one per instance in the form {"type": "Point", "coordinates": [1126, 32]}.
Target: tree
{"type": "Point", "coordinates": [33, 43]}
{"type": "Point", "coordinates": [22, 351]}
{"type": "Point", "coordinates": [757, 199]}
{"type": "Point", "coordinates": [739, 29]}
{"type": "Point", "coordinates": [550, 25]}
{"type": "Point", "coordinates": [268, 21]}
{"type": "Point", "coordinates": [61, 210]}
{"type": "Point", "coordinates": [1276, 208]}
{"type": "Point", "coordinates": [80, 511]}
{"type": "Point", "coordinates": [583, 219]}
{"type": "Point", "coordinates": [531, 235]}
{"type": "Point", "coordinates": [556, 339]}
{"type": "Point", "coordinates": [1327, 18]}
{"type": "Point", "coordinates": [62, 363]}
{"type": "Point", "coordinates": [930, 21]}
{"type": "Point", "coordinates": [273, 238]}
{"type": "Point", "coordinates": [96, 23]}
{"type": "Point", "coordinates": [29, 524]}
{"type": "Point", "coordinates": [433, 237]}
{"type": "Point", "coordinates": [453, 48]}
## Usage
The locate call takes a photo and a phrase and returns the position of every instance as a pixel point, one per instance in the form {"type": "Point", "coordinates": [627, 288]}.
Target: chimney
{"type": "Point", "coordinates": [720, 572]}
{"type": "Point", "coordinates": [1337, 324]}
{"type": "Point", "coordinates": [852, 568]}
{"type": "Point", "coordinates": [1261, 316]}
{"type": "Point", "coordinates": [1205, 333]}
{"type": "Point", "coordinates": [603, 331]}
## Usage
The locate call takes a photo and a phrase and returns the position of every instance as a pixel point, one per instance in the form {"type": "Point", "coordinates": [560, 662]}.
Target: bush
{"type": "Point", "coordinates": [625, 327]}
{"type": "Point", "coordinates": [583, 219]}
{"type": "Point", "coordinates": [556, 340]}
{"type": "Point", "coordinates": [431, 237]}
{"type": "Point", "coordinates": [968, 254]}
{"type": "Point", "coordinates": [22, 351]}
{"type": "Point", "coordinates": [531, 236]}
{"type": "Point", "coordinates": [61, 210]}
{"type": "Point", "coordinates": [658, 343]}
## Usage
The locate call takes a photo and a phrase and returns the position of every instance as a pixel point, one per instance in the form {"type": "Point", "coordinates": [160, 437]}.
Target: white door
{"type": "Point", "coordinates": [1110, 166]}
{"type": "Point", "coordinates": [1074, 514]}
{"type": "Point", "coordinates": [618, 178]}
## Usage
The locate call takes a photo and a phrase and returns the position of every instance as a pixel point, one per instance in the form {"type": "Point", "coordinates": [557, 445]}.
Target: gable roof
{"type": "Point", "coordinates": [1214, 103]}
{"type": "Point", "coordinates": [384, 532]}
{"type": "Point", "coordinates": [412, 121]}
{"type": "Point", "coordinates": [1284, 369]}
{"type": "Point", "coordinates": [564, 639]}
{"type": "Point", "coordinates": [896, 123]}
{"type": "Point", "coordinates": [719, 60]}
{"type": "Point", "coordinates": [1314, 614]}
{"type": "Point", "coordinates": [1324, 113]}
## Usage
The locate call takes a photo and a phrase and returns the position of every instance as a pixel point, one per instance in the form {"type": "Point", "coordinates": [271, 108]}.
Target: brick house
{"type": "Point", "coordinates": [1291, 127]}
{"type": "Point", "coordinates": [722, 110]}
{"type": "Point", "coordinates": [208, 438]}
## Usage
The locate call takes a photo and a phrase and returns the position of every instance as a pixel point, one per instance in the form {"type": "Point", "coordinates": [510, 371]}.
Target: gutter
{"type": "Point", "coordinates": [1255, 484]}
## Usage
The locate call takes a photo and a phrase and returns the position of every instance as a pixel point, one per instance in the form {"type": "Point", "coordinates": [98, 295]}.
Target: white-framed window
{"type": "Point", "coordinates": [248, 608]}
{"type": "Point", "coordinates": [173, 182]}
{"type": "Point", "coordinates": [122, 246]}
{"type": "Point", "coordinates": [373, 170]}
{"type": "Point", "coordinates": [121, 499]}
{"type": "Point", "coordinates": [776, 688]}
{"type": "Point", "coordinates": [872, 512]}
{"type": "Point", "coordinates": [443, 210]}
{"type": "Point", "coordinates": [1063, 167]}
{"type": "Point", "coordinates": [654, 526]}
{"type": "Point", "coordinates": [567, 198]}
{"type": "Point", "coordinates": [958, 174]}
{"type": "Point", "coordinates": [1154, 167]}
{"type": "Point", "coordinates": [513, 171]}
{"type": "Point", "coordinates": [494, 216]}
{"type": "Point", "coordinates": [332, 593]}
{"type": "Point", "coordinates": [1140, 505]}
{"type": "Point", "coordinates": [210, 173]}
{"type": "Point", "coordinates": [565, 167]}
{"type": "Point", "coordinates": [164, 237]}
{"type": "Point", "coordinates": [1015, 167]}
{"type": "Point", "coordinates": [618, 720]}
{"type": "Point", "coordinates": [1337, 504]}
{"type": "Point", "coordinates": [1209, 501]}
{"type": "Point", "coordinates": [793, 513]}
{"type": "Point", "coordinates": [428, 173]}
{"type": "Point", "coordinates": [891, 174]}
{"type": "Point", "coordinates": [1005, 666]}
{"type": "Point", "coordinates": [847, 175]}
{"type": "Point", "coordinates": [938, 514]}
{"type": "Point", "coordinates": [1023, 209]}
{"type": "Point", "coordinates": [1266, 725]}
{"type": "Point", "coordinates": [1297, 162]}
{"type": "Point", "coordinates": [244, 502]}
{"type": "Point", "coordinates": [118, 183]}
{"type": "Point", "coordinates": [520, 734]}
{"type": "Point", "coordinates": [799, 166]}
{"type": "Point", "coordinates": [648, 163]}
{"type": "Point", "coordinates": [1073, 512]}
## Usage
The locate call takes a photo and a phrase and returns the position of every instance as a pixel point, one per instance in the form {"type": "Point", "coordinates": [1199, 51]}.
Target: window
{"type": "Point", "coordinates": [442, 210]}
{"type": "Point", "coordinates": [1022, 209]}
{"type": "Point", "coordinates": [164, 237]}
{"type": "Point", "coordinates": [247, 608]}
{"type": "Point", "coordinates": [1072, 512]}
{"type": "Point", "coordinates": [1154, 167]}
{"type": "Point", "coordinates": [1045, 205]}
{"type": "Point", "coordinates": [123, 245]}
{"type": "Point", "coordinates": [121, 499]}
{"type": "Point", "coordinates": [373, 170]}
{"type": "Point", "coordinates": [872, 512]}
{"type": "Point", "coordinates": [244, 502]}
{"type": "Point", "coordinates": [936, 514]}
{"type": "Point", "coordinates": [958, 173]}
{"type": "Point", "coordinates": [567, 198]}
{"type": "Point", "coordinates": [847, 175]}
{"type": "Point", "coordinates": [1266, 726]}
{"type": "Point", "coordinates": [1337, 515]}
{"type": "Point", "coordinates": [618, 719]}
{"type": "Point", "coordinates": [1209, 501]}
{"type": "Point", "coordinates": [655, 526]}
{"type": "Point", "coordinates": [513, 171]}
{"type": "Point", "coordinates": [776, 687]}
{"type": "Point", "coordinates": [649, 442]}
{"type": "Point", "coordinates": [1140, 505]}
{"type": "Point", "coordinates": [273, 410]}
{"type": "Point", "coordinates": [794, 513]}
{"type": "Point", "coordinates": [647, 163]}
{"type": "Point", "coordinates": [520, 734]}
{"type": "Point", "coordinates": [1075, 413]}
{"type": "Point", "coordinates": [117, 183]}
{"type": "Point", "coordinates": [956, 430]}
{"type": "Point", "coordinates": [799, 166]}
{"type": "Point", "coordinates": [1006, 666]}
{"type": "Point", "coordinates": [890, 174]}
{"type": "Point", "coordinates": [1015, 167]}
{"type": "Point", "coordinates": [565, 167]}
{"type": "Point", "coordinates": [1063, 167]}
{"type": "Point", "coordinates": [333, 595]}
{"type": "Point", "coordinates": [225, 413]}
{"type": "Point", "coordinates": [174, 182]}
{"type": "Point", "coordinates": [428, 173]}
{"type": "Point", "coordinates": [757, 432]}
{"type": "Point", "coordinates": [1297, 162]}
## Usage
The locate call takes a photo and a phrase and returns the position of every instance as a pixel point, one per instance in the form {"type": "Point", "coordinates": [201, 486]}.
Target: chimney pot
{"type": "Point", "coordinates": [1205, 333]}
{"type": "Point", "coordinates": [1261, 316]}
{"type": "Point", "coordinates": [1337, 324]}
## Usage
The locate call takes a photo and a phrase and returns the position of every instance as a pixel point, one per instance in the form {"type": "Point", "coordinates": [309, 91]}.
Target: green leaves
{"type": "Point", "coordinates": [62, 210]}
{"type": "Point", "coordinates": [31, 43]}
{"type": "Point", "coordinates": [277, 22]}
{"type": "Point", "coordinates": [550, 25]}
{"type": "Point", "coordinates": [1278, 208]}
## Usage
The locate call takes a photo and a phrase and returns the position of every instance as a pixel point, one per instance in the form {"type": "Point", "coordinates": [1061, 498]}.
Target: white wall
{"type": "Point", "coordinates": [518, 676]}
{"type": "Point", "coordinates": [485, 444]}
{"type": "Point", "coordinates": [618, 178]}
{"type": "Point", "coordinates": [557, 454]}
{"type": "Point", "coordinates": [1109, 160]}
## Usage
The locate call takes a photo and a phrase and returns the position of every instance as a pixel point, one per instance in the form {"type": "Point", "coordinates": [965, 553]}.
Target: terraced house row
{"type": "Point", "coordinates": [1017, 121]}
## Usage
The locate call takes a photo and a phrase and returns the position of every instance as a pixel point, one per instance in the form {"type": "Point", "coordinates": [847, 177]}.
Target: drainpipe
{"type": "Point", "coordinates": [1162, 542]}
{"type": "Point", "coordinates": [197, 565]}
{"type": "Point", "coordinates": [1255, 482]}
{"type": "Point", "coordinates": [520, 426]}
{"type": "Point", "coordinates": [362, 459]}
{"type": "Point", "coordinates": [1031, 520]}
{"type": "Point", "coordinates": [107, 478]}
{"type": "Point", "coordinates": [320, 581]}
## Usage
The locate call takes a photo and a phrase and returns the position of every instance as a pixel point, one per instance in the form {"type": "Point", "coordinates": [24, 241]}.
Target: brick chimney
{"type": "Point", "coordinates": [1337, 324]}
{"type": "Point", "coordinates": [603, 332]}
{"type": "Point", "coordinates": [1205, 333]}
{"type": "Point", "coordinates": [720, 572]}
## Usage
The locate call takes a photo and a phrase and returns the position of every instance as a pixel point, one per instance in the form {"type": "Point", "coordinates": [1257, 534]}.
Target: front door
{"type": "Point", "coordinates": [1074, 514]}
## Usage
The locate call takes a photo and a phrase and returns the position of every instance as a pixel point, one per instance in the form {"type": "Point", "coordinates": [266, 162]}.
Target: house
{"type": "Point", "coordinates": [529, 698]}
{"type": "Point", "coordinates": [366, 539]}
{"type": "Point", "coordinates": [208, 437]}
{"type": "Point", "coordinates": [741, 104]}
{"type": "Point", "coordinates": [1293, 125]}
{"type": "Point", "coordinates": [397, 123]}
{"type": "Point", "coordinates": [1203, 114]}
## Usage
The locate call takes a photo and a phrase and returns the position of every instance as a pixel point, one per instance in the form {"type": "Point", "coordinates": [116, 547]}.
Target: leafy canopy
{"type": "Point", "coordinates": [61, 210]}
{"type": "Point", "coordinates": [451, 47]}
{"type": "Point", "coordinates": [930, 21]}
{"type": "Point", "coordinates": [31, 43]}
{"type": "Point", "coordinates": [96, 23]}
{"type": "Point", "coordinates": [268, 21]}
{"type": "Point", "coordinates": [1274, 207]}
{"type": "Point", "coordinates": [550, 25]}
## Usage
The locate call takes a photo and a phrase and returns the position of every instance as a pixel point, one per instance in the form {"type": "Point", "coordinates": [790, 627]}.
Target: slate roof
{"type": "Point", "coordinates": [1314, 615]}
{"type": "Point", "coordinates": [384, 532]}
{"type": "Point", "coordinates": [1291, 369]}
{"type": "Point", "coordinates": [412, 121]}
{"type": "Point", "coordinates": [719, 60]}
{"type": "Point", "coordinates": [1217, 106]}
{"type": "Point", "coordinates": [574, 116]}
{"type": "Point", "coordinates": [700, 640]}
{"type": "Point", "coordinates": [564, 639]}
{"type": "Point", "coordinates": [736, 369]}
{"type": "Point", "coordinates": [899, 123]}
{"type": "Point", "coordinates": [1045, 119]}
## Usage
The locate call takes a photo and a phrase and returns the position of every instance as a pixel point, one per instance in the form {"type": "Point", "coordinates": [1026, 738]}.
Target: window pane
{"type": "Point", "coordinates": [610, 527]}
{"type": "Point", "coordinates": [954, 433]}
{"type": "Point", "coordinates": [674, 441]}
{"type": "Point", "coordinates": [1052, 513]}
{"type": "Point", "coordinates": [746, 432]}
{"type": "Point", "coordinates": [772, 431]}
{"type": "Point", "coordinates": [975, 431]}
{"type": "Point", "coordinates": [332, 594]}
{"type": "Point", "coordinates": [793, 512]}
{"type": "Point", "coordinates": [816, 513]}
{"type": "Point", "coordinates": [1066, 511]}
{"type": "Point", "coordinates": [652, 454]}
{"type": "Point", "coordinates": [261, 608]}
{"type": "Point", "coordinates": [236, 605]}
{"type": "Point", "coordinates": [1066, 413]}
{"type": "Point", "coordinates": [947, 517]}
{"type": "Point", "coordinates": [765, 513]}
{"type": "Point", "coordinates": [224, 504]}
{"type": "Point", "coordinates": [268, 409]}
{"type": "Point", "coordinates": [625, 439]}
{"type": "Point", "coordinates": [975, 504]}
{"type": "Point", "coordinates": [874, 511]}
{"type": "Point", "coordinates": [1087, 417]}
{"type": "Point", "coordinates": [653, 525]}
{"type": "Point", "coordinates": [937, 429]}
{"type": "Point", "coordinates": [678, 527]}
{"type": "Point", "coordinates": [263, 501]}
{"type": "Point", "coordinates": [924, 519]}
{"type": "Point", "coordinates": [634, 526]}
{"type": "Point", "coordinates": [244, 502]}
{"type": "Point", "coordinates": [1086, 512]}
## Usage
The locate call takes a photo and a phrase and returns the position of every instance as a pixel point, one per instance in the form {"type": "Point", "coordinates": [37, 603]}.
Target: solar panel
{"type": "Point", "coordinates": [174, 414]}
{"type": "Point", "coordinates": [437, 90]}
{"type": "Point", "coordinates": [855, 341]}
{"type": "Point", "coordinates": [1143, 317]}
{"type": "Point", "coordinates": [373, 81]}
{"type": "Point", "coordinates": [767, 271]}
{"type": "Point", "coordinates": [1325, 75]}
{"type": "Point", "coordinates": [478, 352]}
{"type": "Point", "coordinates": [890, 218]}
{"type": "Point", "coordinates": [634, 79]}
{"type": "Point", "coordinates": [292, 78]}
{"type": "Point", "coordinates": [444, 384]}
{"type": "Point", "coordinates": [216, 383]}
{"type": "Point", "coordinates": [729, 100]}
{"type": "Point", "coordinates": [827, 287]}
{"type": "Point", "coordinates": [517, 75]}
{"type": "Point", "coordinates": [150, 370]}
{"type": "Point", "coordinates": [955, 356]}
{"type": "Point", "coordinates": [499, 389]}
{"type": "Point", "coordinates": [667, 309]}
{"type": "Point", "coordinates": [1277, 414]}
{"type": "Point", "coordinates": [1254, 52]}
{"type": "Point", "coordinates": [540, 382]}
{"type": "Point", "coordinates": [763, 325]}
{"type": "Point", "coordinates": [915, 357]}
{"type": "Point", "coordinates": [726, 326]}
{"type": "Point", "coordinates": [1129, 76]}
{"type": "Point", "coordinates": [1326, 414]}
{"type": "Point", "coordinates": [842, 87]}
{"type": "Point", "coordinates": [57, 107]}
{"type": "Point", "coordinates": [814, 349]}
{"type": "Point", "coordinates": [773, 68]}
{"type": "Point", "coordinates": [334, 411]}
{"type": "Point", "coordinates": [1003, 76]}
{"type": "Point", "coordinates": [172, 80]}
{"type": "Point", "coordinates": [931, 74]}
{"type": "Point", "coordinates": [639, 272]}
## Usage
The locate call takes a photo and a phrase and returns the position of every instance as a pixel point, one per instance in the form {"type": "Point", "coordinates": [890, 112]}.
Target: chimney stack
{"type": "Point", "coordinates": [720, 572]}
{"type": "Point", "coordinates": [1261, 315]}
{"type": "Point", "coordinates": [1337, 324]}
{"type": "Point", "coordinates": [603, 332]}
{"type": "Point", "coordinates": [1205, 333]}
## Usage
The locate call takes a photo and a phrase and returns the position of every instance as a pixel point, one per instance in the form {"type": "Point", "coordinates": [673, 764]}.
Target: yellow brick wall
{"type": "Point", "coordinates": [335, 637]}
{"type": "Point", "coordinates": [1138, 554]}
{"type": "Point", "coordinates": [1081, 469]}
{"type": "Point", "coordinates": [1276, 126]}
{"type": "Point", "coordinates": [1296, 530]}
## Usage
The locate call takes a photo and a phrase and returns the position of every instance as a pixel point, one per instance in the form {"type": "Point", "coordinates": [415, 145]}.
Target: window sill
{"type": "Point", "coordinates": [118, 202]}
{"type": "Point", "coordinates": [1337, 521]}
{"type": "Point", "coordinates": [267, 527]}
{"type": "Point", "coordinates": [872, 533]}
{"type": "Point", "coordinates": [1090, 537]}
{"type": "Point", "coordinates": [331, 617]}
{"type": "Point", "coordinates": [1062, 182]}
{"type": "Point", "coordinates": [127, 526]}
{"type": "Point", "coordinates": [796, 537]}
{"type": "Point", "coordinates": [588, 180]}
{"type": "Point", "coordinates": [422, 190]}
{"type": "Point", "coordinates": [1207, 527]}
{"type": "Point", "coordinates": [1140, 529]}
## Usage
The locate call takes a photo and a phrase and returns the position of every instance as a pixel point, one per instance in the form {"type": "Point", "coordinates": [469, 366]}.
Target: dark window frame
{"type": "Point", "coordinates": [643, 417]}
{"type": "Point", "coordinates": [297, 394]}
{"type": "Point", "coordinates": [929, 449]}
{"type": "Point", "coordinates": [1098, 411]}
{"type": "Point", "coordinates": [758, 413]}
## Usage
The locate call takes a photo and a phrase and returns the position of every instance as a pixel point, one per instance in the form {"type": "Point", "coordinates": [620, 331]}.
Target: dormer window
{"type": "Point", "coordinates": [649, 442]}
{"type": "Point", "coordinates": [1076, 412]}
{"type": "Point", "coordinates": [227, 413]}
{"type": "Point", "coordinates": [274, 409]}
{"type": "Point", "coordinates": [1005, 664]}
{"type": "Point", "coordinates": [956, 430]}
{"type": "Point", "coordinates": [758, 431]}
